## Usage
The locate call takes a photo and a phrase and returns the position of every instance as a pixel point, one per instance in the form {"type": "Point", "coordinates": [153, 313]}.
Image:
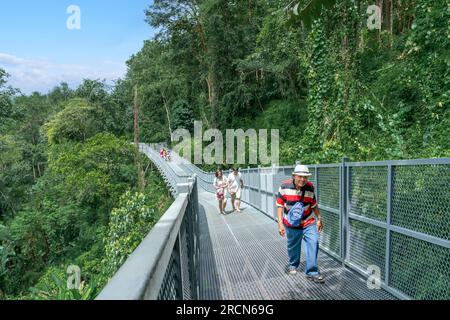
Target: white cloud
{"type": "Point", "coordinates": [40, 75]}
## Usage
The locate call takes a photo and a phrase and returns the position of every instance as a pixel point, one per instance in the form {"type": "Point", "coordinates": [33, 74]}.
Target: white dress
{"type": "Point", "coordinates": [220, 185]}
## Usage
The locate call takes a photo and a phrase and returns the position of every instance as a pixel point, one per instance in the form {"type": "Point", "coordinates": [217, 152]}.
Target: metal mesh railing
{"type": "Point", "coordinates": [181, 278]}
{"type": "Point", "coordinates": [399, 221]}
{"type": "Point", "coordinates": [394, 215]}
{"type": "Point", "coordinates": [170, 290]}
{"type": "Point", "coordinates": [419, 268]}
{"type": "Point", "coordinates": [184, 256]}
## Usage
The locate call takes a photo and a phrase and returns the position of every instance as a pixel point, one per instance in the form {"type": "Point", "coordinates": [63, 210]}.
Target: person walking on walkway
{"type": "Point", "coordinates": [220, 184]}
{"type": "Point", "coordinates": [299, 219]}
{"type": "Point", "coordinates": [165, 154]}
{"type": "Point", "coordinates": [235, 185]}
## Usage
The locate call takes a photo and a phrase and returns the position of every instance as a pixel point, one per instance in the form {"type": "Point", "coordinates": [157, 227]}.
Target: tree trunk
{"type": "Point", "coordinates": [209, 79]}
{"type": "Point", "coordinates": [167, 113]}
{"type": "Point", "coordinates": [389, 19]}
{"type": "Point", "coordinates": [380, 4]}
{"type": "Point", "coordinates": [211, 83]}
{"type": "Point", "coordinates": [136, 141]}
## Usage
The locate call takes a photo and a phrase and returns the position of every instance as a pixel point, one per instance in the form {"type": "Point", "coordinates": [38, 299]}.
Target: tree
{"type": "Point", "coordinates": [60, 95]}
{"type": "Point", "coordinates": [95, 173]}
{"type": "Point", "coordinates": [15, 175]}
{"type": "Point", "coordinates": [183, 115]}
{"type": "Point", "coordinates": [7, 118]}
{"type": "Point", "coordinates": [33, 111]}
{"type": "Point", "coordinates": [158, 84]}
{"type": "Point", "coordinates": [76, 122]}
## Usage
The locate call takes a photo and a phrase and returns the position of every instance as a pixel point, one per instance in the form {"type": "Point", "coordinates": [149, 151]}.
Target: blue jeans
{"type": "Point", "coordinates": [294, 246]}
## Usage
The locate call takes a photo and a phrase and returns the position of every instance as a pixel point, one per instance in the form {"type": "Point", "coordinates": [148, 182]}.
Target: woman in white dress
{"type": "Point", "coordinates": [220, 184]}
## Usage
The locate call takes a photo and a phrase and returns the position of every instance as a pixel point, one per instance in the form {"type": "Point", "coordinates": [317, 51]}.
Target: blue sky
{"type": "Point", "coordinates": [39, 51]}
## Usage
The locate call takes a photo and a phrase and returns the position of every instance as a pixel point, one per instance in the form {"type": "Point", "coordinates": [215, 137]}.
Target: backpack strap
{"type": "Point", "coordinates": [303, 195]}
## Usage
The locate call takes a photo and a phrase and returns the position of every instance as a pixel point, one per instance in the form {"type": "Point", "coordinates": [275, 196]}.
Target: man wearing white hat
{"type": "Point", "coordinates": [299, 219]}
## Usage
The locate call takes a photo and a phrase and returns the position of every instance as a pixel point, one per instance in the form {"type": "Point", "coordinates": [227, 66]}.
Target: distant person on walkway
{"type": "Point", "coordinates": [235, 185]}
{"type": "Point", "coordinates": [161, 153]}
{"type": "Point", "coordinates": [296, 202]}
{"type": "Point", "coordinates": [220, 184]}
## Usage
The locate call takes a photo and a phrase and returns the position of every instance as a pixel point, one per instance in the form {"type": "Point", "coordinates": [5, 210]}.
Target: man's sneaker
{"type": "Point", "coordinates": [318, 278]}
{"type": "Point", "coordinates": [292, 271]}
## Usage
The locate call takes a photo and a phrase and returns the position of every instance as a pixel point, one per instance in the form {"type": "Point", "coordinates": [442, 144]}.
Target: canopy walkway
{"type": "Point", "coordinates": [386, 217]}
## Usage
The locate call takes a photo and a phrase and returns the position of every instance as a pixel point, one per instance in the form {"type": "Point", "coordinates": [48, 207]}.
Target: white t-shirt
{"type": "Point", "coordinates": [234, 181]}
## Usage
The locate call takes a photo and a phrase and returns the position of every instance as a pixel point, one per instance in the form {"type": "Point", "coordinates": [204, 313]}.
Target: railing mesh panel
{"type": "Point", "coordinates": [367, 246]}
{"type": "Point", "coordinates": [419, 269]}
{"type": "Point", "coordinates": [328, 187]}
{"type": "Point", "coordinates": [421, 199]}
{"type": "Point", "coordinates": [184, 242]}
{"type": "Point", "coordinates": [169, 289]}
{"type": "Point", "coordinates": [368, 192]}
{"type": "Point", "coordinates": [330, 237]}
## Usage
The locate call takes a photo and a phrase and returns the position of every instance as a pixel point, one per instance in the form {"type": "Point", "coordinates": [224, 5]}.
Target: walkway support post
{"type": "Point", "coordinates": [390, 177]}
{"type": "Point", "coordinates": [343, 196]}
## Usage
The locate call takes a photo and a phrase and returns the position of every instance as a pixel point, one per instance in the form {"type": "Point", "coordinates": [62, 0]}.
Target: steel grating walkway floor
{"type": "Point", "coordinates": [242, 256]}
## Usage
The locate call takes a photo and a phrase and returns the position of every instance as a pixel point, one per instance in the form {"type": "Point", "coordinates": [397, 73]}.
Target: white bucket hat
{"type": "Point", "coordinates": [301, 170]}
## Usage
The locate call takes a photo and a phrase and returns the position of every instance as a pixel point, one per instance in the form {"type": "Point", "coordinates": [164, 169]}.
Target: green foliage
{"type": "Point", "coordinates": [53, 286]}
{"type": "Point", "coordinates": [96, 172]}
{"type": "Point", "coordinates": [6, 255]}
{"type": "Point", "coordinates": [128, 225]}
{"type": "Point", "coordinates": [373, 102]}
{"type": "Point", "coordinates": [76, 122]}
{"type": "Point", "coordinates": [62, 170]}
{"type": "Point", "coordinates": [43, 237]}
{"type": "Point", "coordinates": [15, 175]}
{"type": "Point", "coordinates": [94, 91]}
{"type": "Point", "coordinates": [7, 120]}
{"type": "Point", "coordinates": [183, 116]}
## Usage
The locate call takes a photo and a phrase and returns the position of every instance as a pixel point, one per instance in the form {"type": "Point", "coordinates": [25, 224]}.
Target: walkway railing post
{"type": "Point", "coordinates": [343, 193]}
{"type": "Point", "coordinates": [275, 188]}
{"type": "Point", "coordinates": [197, 235]}
{"type": "Point", "coordinates": [193, 240]}
{"type": "Point", "coordinates": [390, 176]}
{"type": "Point", "coordinates": [178, 256]}
{"type": "Point", "coordinates": [259, 187]}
